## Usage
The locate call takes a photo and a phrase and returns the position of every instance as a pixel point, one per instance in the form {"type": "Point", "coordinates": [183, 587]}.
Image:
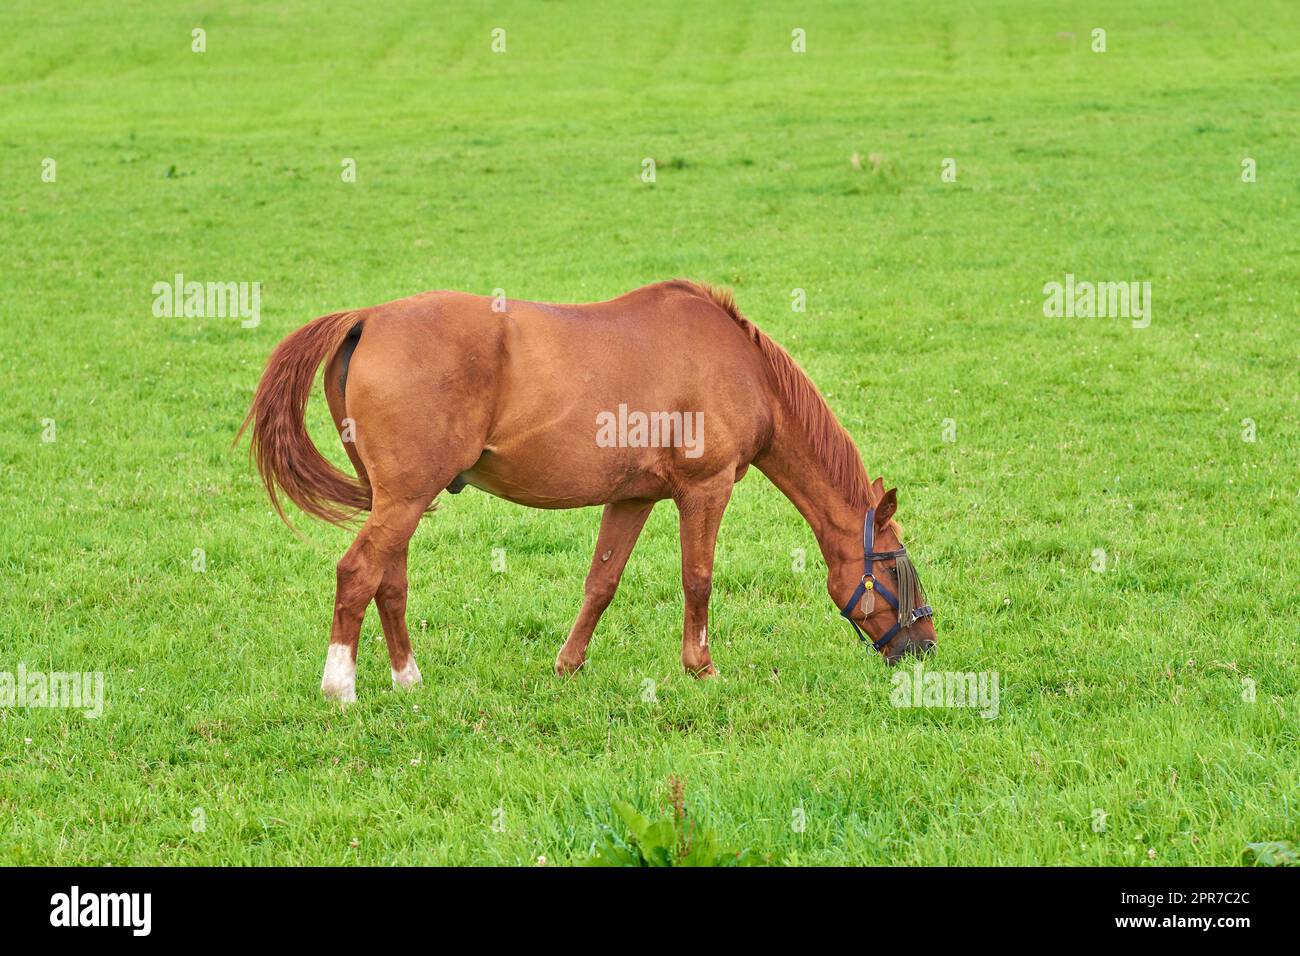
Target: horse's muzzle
{"type": "Point", "coordinates": [914, 641]}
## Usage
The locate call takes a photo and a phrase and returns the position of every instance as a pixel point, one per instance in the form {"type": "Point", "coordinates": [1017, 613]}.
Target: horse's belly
{"type": "Point", "coordinates": [539, 477]}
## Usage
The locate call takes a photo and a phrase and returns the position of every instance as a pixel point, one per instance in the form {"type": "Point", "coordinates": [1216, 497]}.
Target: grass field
{"type": "Point", "coordinates": [1021, 444]}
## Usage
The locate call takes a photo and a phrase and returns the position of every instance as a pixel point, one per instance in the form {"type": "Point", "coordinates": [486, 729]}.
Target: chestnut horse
{"type": "Point", "coordinates": [665, 392]}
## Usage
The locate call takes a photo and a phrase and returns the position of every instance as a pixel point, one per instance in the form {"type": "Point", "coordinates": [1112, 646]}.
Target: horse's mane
{"type": "Point", "coordinates": [830, 443]}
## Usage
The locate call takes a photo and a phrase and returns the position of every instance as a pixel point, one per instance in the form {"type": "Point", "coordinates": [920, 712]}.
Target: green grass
{"type": "Point", "coordinates": [1121, 691]}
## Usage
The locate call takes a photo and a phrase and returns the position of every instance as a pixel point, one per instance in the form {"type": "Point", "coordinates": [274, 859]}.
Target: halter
{"type": "Point", "coordinates": [869, 583]}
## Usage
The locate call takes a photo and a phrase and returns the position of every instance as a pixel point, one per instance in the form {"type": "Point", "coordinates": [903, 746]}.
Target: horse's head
{"type": "Point", "coordinates": [879, 592]}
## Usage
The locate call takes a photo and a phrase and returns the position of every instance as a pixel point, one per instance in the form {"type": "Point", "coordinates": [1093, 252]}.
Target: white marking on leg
{"type": "Point", "coordinates": [409, 675]}
{"type": "Point", "coordinates": [704, 636]}
{"type": "Point", "coordinates": [339, 681]}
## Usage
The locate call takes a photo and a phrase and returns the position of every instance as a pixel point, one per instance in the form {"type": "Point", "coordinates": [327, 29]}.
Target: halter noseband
{"type": "Point", "coordinates": [869, 583]}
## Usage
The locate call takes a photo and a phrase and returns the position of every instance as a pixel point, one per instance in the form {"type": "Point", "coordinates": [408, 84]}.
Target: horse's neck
{"type": "Point", "coordinates": [789, 464]}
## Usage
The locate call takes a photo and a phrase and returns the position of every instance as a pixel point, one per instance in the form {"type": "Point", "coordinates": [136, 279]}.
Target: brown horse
{"type": "Point", "coordinates": [665, 392]}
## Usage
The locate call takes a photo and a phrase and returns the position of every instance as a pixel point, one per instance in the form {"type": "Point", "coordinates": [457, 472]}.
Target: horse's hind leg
{"type": "Point", "coordinates": [390, 598]}
{"type": "Point", "coordinates": [368, 568]}
{"type": "Point", "coordinates": [620, 525]}
{"type": "Point", "coordinates": [417, 401]}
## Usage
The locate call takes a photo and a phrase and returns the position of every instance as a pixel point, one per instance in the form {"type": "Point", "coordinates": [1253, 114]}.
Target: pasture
{"type": "Point", "coordinates": [1104, 513]}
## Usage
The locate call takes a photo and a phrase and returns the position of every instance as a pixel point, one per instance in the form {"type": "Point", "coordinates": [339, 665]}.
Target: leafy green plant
{"type": "Point", "coordinates": [1274, 853]}
{"type": "Point", "coordinates": [672, 840]}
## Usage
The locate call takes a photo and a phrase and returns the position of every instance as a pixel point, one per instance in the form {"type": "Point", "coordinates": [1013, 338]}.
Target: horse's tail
{"type": "Point", "coordinates": [285, 455]}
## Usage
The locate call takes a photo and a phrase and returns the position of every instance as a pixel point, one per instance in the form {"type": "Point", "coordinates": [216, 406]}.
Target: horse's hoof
{"type": "Point", "coordinates": [339, 682]}
{"type": "Point", "coordinates": [706, 672]}
{"type": "Point", "coordinates": [408, 676]}
{"type": "Point", "coordinates": [342, 694]}
{"type": "Point", "coordinates": [565, 668]}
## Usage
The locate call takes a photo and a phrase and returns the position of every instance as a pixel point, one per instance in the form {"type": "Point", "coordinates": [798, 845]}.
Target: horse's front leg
{"type": "Point", "coordinates": [701, 509]}
{"type": "Point", "coordinates": [620, 526]}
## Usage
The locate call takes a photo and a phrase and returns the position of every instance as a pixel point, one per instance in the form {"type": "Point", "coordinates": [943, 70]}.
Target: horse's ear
{"type": "Point", "coordinates": [878, 487]}
{"type": "Point", "coordinates": [886, 508]}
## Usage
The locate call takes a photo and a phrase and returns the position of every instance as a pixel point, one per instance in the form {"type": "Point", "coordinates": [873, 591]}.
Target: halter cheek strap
{"type": "Point", "coordinates": [869, 583]}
